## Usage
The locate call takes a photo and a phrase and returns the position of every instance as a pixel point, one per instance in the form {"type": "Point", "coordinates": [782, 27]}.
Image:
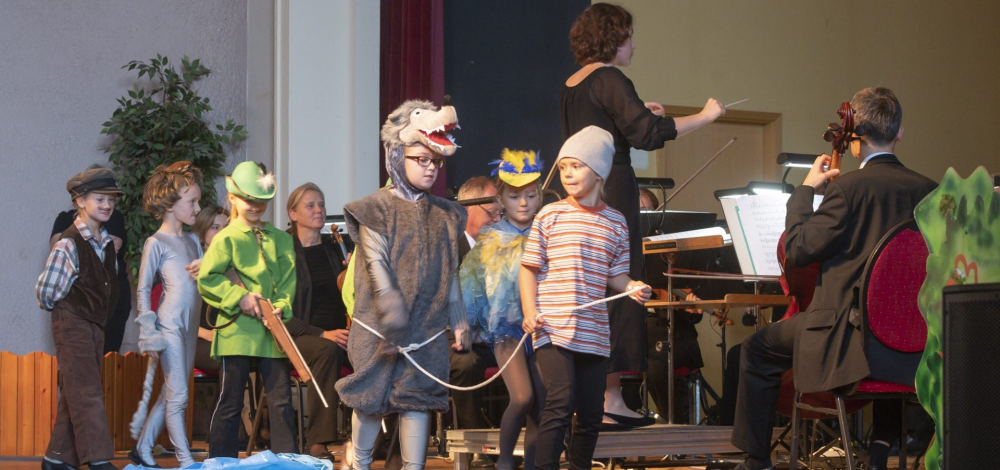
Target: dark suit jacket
{"type": "Point", "coordinates": [463, 248]}
{"type": "Point", "coordinates": [858, 209]}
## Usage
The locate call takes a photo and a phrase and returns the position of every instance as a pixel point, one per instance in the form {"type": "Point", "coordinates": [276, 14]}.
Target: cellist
{"type": "Point", "coordinates": [824, 342]}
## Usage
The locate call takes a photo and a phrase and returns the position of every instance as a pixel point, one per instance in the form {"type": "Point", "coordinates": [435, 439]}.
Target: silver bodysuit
{"type": "Point", "coordinates": [172, 330]}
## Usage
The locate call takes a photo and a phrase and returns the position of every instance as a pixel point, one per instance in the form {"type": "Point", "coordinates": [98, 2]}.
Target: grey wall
{"type": "Point", "coordinates": [59, 78]}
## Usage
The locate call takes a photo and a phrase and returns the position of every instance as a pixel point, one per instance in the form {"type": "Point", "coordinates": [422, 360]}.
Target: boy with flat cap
{"type": "Point", "coordinates": [80, 287]}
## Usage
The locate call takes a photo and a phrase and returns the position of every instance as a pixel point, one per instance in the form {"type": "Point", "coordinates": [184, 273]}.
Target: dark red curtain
{"type": "Point", "coordinates": [412, 61]}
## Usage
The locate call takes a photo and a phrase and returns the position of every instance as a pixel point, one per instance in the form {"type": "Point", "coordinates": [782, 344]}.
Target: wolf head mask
{"type": "Point", "coordinates": [420, 122]}
{"type": "Point", "coordinates": [416, 122]}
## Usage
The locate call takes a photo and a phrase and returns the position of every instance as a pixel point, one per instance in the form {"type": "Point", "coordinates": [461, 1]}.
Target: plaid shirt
{"type": "Point", "coordinates": [62, 266]}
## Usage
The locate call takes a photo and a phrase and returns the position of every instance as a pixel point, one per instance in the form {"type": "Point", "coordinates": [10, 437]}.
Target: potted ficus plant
{"type": "Point", "coordinates": [161, 124]}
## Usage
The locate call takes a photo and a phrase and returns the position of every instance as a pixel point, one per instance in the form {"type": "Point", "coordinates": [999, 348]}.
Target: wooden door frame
{"type": "Point", "coordinates": [771, 123]}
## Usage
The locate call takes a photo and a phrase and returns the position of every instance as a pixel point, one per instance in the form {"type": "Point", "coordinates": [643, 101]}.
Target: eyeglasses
{"type": "Point", "coordinates": [426, 161]}
{"type": "Point", "coordinates": [494, 215]}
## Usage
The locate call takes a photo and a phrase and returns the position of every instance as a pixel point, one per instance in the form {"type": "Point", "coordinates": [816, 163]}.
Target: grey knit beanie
{"type": "Point", "coordinates": [593, 146]}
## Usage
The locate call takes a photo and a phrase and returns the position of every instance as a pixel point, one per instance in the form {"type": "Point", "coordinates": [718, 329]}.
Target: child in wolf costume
{"type": "Point", "coordinates": [406, 286]}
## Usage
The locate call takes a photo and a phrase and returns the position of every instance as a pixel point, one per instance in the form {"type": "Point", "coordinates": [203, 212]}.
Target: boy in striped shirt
{"type": "Point", "coordinates": [578, 247]}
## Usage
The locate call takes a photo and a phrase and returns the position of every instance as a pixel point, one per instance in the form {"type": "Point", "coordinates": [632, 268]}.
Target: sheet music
{"type": "Point", "coordinates": [705, 232]}
{"type": "Point", "coordinates": [763, 220]}
{"type": "Point", "coordinates": [744, 226]}
{"type": "Point", "coordinates": [736, 230]}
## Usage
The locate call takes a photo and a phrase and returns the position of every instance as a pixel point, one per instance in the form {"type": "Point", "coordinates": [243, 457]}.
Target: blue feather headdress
{"type": "Point", "coordinates": [517, 167]}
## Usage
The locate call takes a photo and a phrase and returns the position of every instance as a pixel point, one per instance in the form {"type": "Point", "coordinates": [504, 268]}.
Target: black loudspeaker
{"type": "Point", "coordinates": [971, 376]}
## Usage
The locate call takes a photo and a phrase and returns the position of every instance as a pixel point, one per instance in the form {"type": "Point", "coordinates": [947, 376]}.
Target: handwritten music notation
{"type": "Point", "coordinates": [763, 219]}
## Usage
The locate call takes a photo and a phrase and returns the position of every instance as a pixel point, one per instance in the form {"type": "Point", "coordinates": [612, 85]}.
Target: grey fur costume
{"type": "Point", "coordinates": [422, 248]}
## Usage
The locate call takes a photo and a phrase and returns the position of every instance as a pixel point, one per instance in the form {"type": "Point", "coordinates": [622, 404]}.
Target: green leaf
{"type": "Point", "coordinates": [161, 124]}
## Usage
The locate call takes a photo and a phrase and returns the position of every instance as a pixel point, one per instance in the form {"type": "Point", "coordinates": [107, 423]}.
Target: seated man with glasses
{"type": "Point", "coordinates": [469, 367]}
{"type": "Point", "coordinates": [479, 215]}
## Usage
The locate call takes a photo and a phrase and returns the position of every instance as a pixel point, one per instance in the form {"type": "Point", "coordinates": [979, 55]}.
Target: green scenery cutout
{"type": "Point", "coordinates": [960, 222]}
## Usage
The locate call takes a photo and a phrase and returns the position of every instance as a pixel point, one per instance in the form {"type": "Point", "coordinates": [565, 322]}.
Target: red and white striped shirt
{"type": "Point", "coordinates": [575, 249]}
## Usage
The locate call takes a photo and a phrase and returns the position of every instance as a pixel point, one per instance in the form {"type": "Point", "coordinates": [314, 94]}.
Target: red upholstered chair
{"type": "Point", "coordinates": [888, 305]}
{"type": "Point", "coordinates": [155, 296]}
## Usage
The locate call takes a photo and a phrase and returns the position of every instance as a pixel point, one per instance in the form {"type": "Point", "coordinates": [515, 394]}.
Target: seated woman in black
{"type": "Point", "coordinates": [320, 321]}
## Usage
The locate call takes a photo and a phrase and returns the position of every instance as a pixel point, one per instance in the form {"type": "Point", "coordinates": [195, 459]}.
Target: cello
{"type": "Point", "coordinates": [799, 282]}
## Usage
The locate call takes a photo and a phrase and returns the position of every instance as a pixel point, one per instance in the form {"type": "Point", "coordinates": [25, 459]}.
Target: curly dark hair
{"type": "Point", "coordinates": [598, 32]}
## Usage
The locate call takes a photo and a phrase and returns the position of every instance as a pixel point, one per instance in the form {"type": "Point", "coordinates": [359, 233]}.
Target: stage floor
{"type": "Point", "coordinates": [433, 463]}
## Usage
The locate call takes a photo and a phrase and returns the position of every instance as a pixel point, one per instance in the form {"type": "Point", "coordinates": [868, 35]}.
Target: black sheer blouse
{"type": "Point", "coordinates": [606, 98]}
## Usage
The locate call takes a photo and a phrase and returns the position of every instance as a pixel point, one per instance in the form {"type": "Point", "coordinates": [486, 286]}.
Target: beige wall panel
{"type": "Point", "coordinates": [802, 59]}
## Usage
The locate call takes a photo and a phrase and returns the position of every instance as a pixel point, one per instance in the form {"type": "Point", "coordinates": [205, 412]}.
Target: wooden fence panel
{"type": "Point", "coordinates": [135, 370]}
{"type": "Point", "coordinates": [26, 405]}
{"type": "Point", "coordinates": [8, 404]}
{"type": "Point", "coordinates": [108, 378]}
{"type": "Point", "coordinates": [45, 399]}
{"type": "Point", "coordinates": [121, 431]}
{"type": "Point", "coordinates": [29, 393]}
{"type": "Point", "coordinates": [28, 387]}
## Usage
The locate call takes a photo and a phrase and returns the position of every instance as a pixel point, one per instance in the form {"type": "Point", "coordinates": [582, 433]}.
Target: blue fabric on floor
{"type": "Point", "coordinates": [265, 460]}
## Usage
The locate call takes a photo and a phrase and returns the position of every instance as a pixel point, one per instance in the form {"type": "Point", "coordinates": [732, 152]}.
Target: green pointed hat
{"type": "Point", "coordinates": [250, 181]}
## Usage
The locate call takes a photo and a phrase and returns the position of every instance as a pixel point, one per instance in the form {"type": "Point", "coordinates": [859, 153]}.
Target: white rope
{"type": "Point", "coordinates": [520, 345]}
